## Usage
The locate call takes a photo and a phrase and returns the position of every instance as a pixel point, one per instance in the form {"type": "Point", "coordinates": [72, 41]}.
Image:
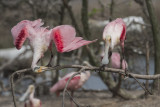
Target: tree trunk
{"type": "Point", "coordinates": [156, 39]}
{"type": "Point", "coordinates": [84, 14]}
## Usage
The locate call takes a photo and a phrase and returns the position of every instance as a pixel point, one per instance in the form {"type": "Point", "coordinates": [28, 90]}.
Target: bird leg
{"type": "Point", "coordinates": [123, 58]}
{"type": "Point", "coordinates": [101, 68]}
{"type": "Point", "coordinates": [49, 63]}
{"type": "Point", "coordinates": [71, 98]}
{"type": "Point", "coordinates": [109, 53]}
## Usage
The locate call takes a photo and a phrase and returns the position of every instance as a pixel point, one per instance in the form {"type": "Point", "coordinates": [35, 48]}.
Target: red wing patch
{"type": "Point", "coordinates": [74, 78]}
{"type": "Point", "coordinates": [58, 41]}
{"type": "Point", "coordinates": [20, 39]}
{"type": "Point", "coordinates": [122, 37]}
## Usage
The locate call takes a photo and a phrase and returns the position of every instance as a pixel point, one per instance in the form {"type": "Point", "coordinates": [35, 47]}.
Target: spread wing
{"type": "Point", "coordinates": [65, 39]}
{"type": "Point", "coordinates": [24, 29]}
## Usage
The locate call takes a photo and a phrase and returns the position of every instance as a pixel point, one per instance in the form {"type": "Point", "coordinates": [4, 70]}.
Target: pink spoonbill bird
{"type": "Point", "coordinates": [41, 38]}
{"type": "Point", "coordinates": [31, 102]}
{"type": "Point", "coordinates": [114, 34]}
{"type": "Point", "coordinates": [75, 83]}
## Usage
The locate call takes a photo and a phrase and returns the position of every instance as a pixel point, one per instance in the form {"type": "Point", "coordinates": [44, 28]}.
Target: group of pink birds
{"type": "Point", "coordinates": [65, 40]}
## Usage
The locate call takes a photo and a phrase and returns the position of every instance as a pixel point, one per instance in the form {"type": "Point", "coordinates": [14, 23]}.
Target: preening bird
{"type": "Point", "coordinates": [75, 83]}
{"type": "Point", "coordinates": [41, 38]}
{"type": "Point", "coordinates": [31, 102]}
{"type": "Point", "coordinates": [114, 34]}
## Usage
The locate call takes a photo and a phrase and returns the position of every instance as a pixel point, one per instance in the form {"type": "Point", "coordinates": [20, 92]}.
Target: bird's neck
{"type": "Point", "coordinates": [32, 95]}
{"type": "Point", "coordinates": [87, 73]}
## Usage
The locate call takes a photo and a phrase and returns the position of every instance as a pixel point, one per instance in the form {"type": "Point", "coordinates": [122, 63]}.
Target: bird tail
{"type": "Point", "coordinates": [54, 89]}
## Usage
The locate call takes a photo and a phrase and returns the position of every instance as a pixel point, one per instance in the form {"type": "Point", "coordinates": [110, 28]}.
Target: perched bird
{"type": "Point", "coordinates": [114, 34]}
{"type": "Point", "coordinates": [41, 38]}
{"type": "Point", "coordinates": [75, 83]}
{"type": "Point", "coordinates": [31, 102]}
{"type": "Point", "coordinates": [115, 58]}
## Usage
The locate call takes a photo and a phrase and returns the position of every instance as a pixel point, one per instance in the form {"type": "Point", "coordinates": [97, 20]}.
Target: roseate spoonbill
{"type": "Point", "coordinates": [115, 58]}
{"type": "Point", "coordinates": [41, 38]}
{"type": "Point", "coordinates": [32, 102]}
{"type": "Point", "coordinates": [114, 34]}
{"type": "Point", "coordinates": [75, 83]}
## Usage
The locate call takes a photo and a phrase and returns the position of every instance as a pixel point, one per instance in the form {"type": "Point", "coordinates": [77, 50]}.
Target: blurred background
{"type": "Point", "coordinates": [73, 12]}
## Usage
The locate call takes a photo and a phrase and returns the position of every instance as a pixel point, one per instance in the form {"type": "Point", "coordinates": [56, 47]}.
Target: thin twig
{"type": "Point", "coordinates": [147, 65]}
{"type": "Point", "coordinates": [12, 83]}
{"type": "Point", "coordinates": [146, 90]}
{"type": "Point", "coordinates": [82, 69]}
{"type": "Point", "coordinates": [72, 99]}
{"type": "Point", "coordinates": [73, 19]}
{"type": "Point", "coordinates": [12, 88]}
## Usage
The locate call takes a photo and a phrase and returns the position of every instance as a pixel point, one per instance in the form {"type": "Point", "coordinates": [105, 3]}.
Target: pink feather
{"type": "Point", "coordinates": [115, 61]}
{"type": "Point", "coordinates": [60, 85]}
{"type": "Point", "coordinates": [65, 39]}
{"type": "Point", "coordinates": [75, 83]}
{"type": "Point", "coordinates": [22, 30]}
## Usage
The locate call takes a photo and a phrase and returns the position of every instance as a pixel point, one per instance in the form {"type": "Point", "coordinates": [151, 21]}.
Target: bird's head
{"type": "Point", "coordinates": [31, 89]}
{"type": "Point", "coordinates": [107, 39]}
{"type": "Point", "coordinates": [114, 33]}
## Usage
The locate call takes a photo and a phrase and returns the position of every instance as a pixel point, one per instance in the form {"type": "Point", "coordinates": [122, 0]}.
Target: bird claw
{"type": "Point", "coordinates": [48, 65]}
{"type": "Point", "coordinates": [101, 68]}
{"type": "Point", "coordinates": [40, 69]}
{"type": "Point", "coordinates": [126, 74]}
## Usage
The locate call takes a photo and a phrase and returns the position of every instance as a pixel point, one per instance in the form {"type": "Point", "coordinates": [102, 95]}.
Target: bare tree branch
{"type": "Point", "coordinates": [83, 68]}
{"type": "Point", "coordinates": [65, 3]}
{"type": "Point", "coordinates": [156, 39]}
{"type": "Point", "coordinates": [147, 64]}
{"type": "Point", "coordinates": [84, 14]}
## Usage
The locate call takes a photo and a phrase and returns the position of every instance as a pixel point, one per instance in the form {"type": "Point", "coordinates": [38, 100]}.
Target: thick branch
{"type": "Point", "coordinates": [65, 3]}
{"type": "Point", "coordinates": [156, 38]}
{"type": "Point", "coordinates": [113, 70]}
{"type": "Point", "coordinates": [84, 14]}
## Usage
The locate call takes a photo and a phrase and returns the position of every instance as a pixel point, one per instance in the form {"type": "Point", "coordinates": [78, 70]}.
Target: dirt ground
{"type": "Point", "coordinates": [89, 99]}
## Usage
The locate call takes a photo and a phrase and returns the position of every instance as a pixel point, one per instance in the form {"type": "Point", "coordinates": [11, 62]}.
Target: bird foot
{"type": "Point", "coordinates": [56, 66]}
{"type": "Point", "coordinates": [48, 65]}
{"type": "Point", "coordinates": [126, 74]}
{"type": "Point", "coordinates": [40, 69]}
{"type": "Point", "coordinates": [101, 68]}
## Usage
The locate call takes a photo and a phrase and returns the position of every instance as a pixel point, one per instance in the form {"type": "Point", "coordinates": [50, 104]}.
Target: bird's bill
{"type": "Point", "coordinates": [105, 59]}
{"type": "Point", "coordinates": [26, 94]}
{"type": "Point", "coordinates": [40, 69]}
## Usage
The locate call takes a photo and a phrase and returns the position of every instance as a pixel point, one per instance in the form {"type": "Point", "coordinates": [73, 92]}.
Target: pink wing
{"type": "Point", "coordinates": [65, 39]}
{"type": "Point", "coordinates": [20, 33]}
{"type": "Point", "coordinates": [120, 22]}
{"type": "Point", "coordinates": [22, 30]}
{"type": "Point", "coordinates": [60, 85]}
